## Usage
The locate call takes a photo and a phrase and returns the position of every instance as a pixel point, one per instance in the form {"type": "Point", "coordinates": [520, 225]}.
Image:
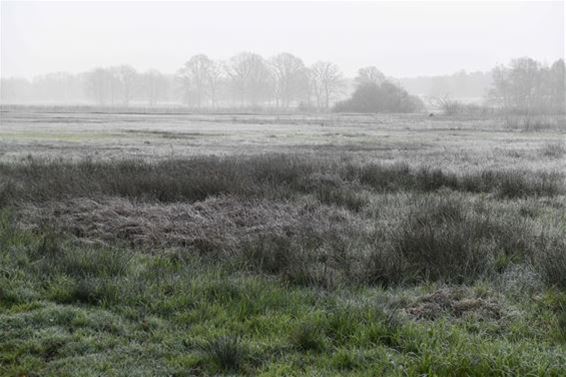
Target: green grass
{"type": "Point", "coordinates": [68, 310]}
{"type": "Point", "coordinates": [280, 265]}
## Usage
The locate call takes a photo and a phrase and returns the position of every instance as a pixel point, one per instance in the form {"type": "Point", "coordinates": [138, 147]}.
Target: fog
{"type": "Point", "coordinates": [401, 38]}
{"type": "Point", "coordinates": [282, 189]}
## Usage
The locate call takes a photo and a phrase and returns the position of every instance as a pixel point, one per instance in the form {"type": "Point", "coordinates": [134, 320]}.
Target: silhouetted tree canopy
{"type": "Point", "coordinates": [527, 86]}
{"type": "Point", "coordinates": [386, 97]}
{"type": "Point", "coordinates": [369, 75]}
{"type": "Point", "coordinates": [284, 81]}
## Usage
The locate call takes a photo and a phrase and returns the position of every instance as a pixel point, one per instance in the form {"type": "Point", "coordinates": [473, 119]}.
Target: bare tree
{"type": "Point", "coordinates": [154, 86]}
{"type": "Point", "coordinates": [526, 82]}
{"type": "Point", "coordinates": [98, 82]}
{"type": "Point", "coordinates": [555, 81]}
{"type": "Point", "coordinates": [195, 77]}
{"type": "Point", "coordinates": [14, 90]}
{"type": "Point", "coordinates": [368, 75]}
{"type": "Point", "coordinates": [326, 83]}
{"type": "Point", "coordinates": [249, 78]}
{"type": "Point", "coordinates": [127, 76]}
{"type": "Point", "coordinates": [58, 86]}
{"type": "Point", "coordinates": [529, 88]}
{"type": "Point", "coordinates": [214, 80]}
{"type": "Point", "coordinates": [290, 78]}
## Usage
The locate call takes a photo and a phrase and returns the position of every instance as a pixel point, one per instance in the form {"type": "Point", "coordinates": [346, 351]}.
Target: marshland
{"type": "Point", "coordinates": [152, 243]}
{"type": "Point", "coordinates": [282, 189]}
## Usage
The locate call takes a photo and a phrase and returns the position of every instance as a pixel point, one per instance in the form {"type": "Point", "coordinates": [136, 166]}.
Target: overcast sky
{"type": "Point", "coordinates": [400, 38]}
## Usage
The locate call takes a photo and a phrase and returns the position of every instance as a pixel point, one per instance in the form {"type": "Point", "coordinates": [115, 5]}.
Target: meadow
{"type": "Point", "coordinates": [168, 243]}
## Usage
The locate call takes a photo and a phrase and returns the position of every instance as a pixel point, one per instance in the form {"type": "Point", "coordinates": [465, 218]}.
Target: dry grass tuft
{"type": "Point", "coordinates": [453, 302]}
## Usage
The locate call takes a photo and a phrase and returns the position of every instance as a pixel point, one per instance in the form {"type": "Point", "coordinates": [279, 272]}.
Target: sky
{"type": "Point", "coordinates": [401, 38]}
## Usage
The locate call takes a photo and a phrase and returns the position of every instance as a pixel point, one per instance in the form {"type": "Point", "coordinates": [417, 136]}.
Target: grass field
{"type": "Point", "coordinates": [176, 244]}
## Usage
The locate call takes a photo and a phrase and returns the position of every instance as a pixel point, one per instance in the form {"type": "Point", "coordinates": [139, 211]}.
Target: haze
{"type": "Point", "coordinates": [402, 39]}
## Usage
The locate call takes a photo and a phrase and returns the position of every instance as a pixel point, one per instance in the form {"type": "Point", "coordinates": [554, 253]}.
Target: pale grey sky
{"type": "Point", "coordinates": [400, 38]}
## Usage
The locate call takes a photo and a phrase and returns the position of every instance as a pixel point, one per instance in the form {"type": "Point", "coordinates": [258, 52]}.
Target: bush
{"type": "Point", "coordinates": [453, 107]}
{"type": "Point", "coordinates": [380, 98]}
{"type": "Point", "coordinates": [533, 122]}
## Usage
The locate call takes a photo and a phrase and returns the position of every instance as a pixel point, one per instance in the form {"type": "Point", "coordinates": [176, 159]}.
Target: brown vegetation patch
{"type": "Point", "coordinates": [452, 302]}
{"type": "Point", "coordinates": [215, 224]}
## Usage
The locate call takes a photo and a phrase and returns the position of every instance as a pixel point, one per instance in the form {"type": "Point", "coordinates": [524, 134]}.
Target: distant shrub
{"type": "Point", "coordinates": [305, 107]}
{"type": "Point", "coordinates": [386, 97]}
{"type": "Point", "coordinates": [455, 107]}
{"type": "Point", "coordinates": [533, 122]}
{"type": "Point", "coordinates": [526, 86]}
{"type": "Point", "coordinates": [452, 107]}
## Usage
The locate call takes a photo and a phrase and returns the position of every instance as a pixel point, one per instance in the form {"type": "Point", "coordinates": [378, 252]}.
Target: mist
{"type": "Point", "coordinates": [282, 188]}
{"type": "Point", "coordinates": [403, 39]}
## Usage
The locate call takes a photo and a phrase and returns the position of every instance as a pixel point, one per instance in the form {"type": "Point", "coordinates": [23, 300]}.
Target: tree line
{"type": "Point", "coordinates": [522, 87]}
{"type": "Point", "coordinates": [468, 86]}
{"type": "Point", "coordinates": [245, 80]}
{"type": "Point", "coordinates": [109, 86]}
{"type": "Point", "coordinates": [529, 87]}
{"type": "Point", "coordinates": [375, 94]}
{"type": "Point", "coordinates": [284, 81]}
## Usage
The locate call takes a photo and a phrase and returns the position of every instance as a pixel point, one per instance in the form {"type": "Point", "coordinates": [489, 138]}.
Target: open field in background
{"type": "Point", "coordinates": [459, 143]}
{"type": "Point", "coordinates": [278, 245]}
